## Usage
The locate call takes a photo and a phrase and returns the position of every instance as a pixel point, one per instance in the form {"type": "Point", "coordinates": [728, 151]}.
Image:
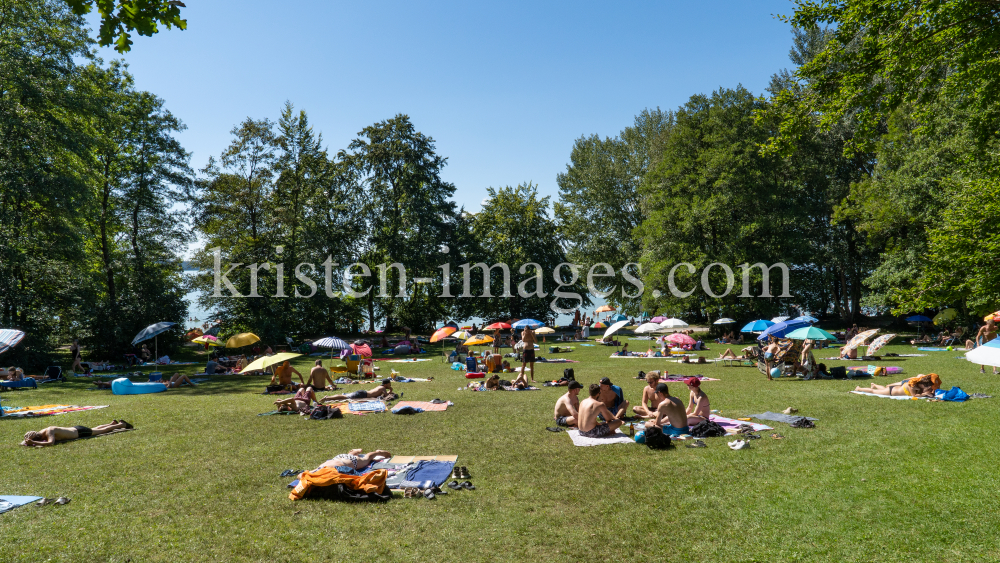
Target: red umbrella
{"type": "Point", "coordinates": [497, 326]}
{"type": "Point", "coordinates": [681, 339]}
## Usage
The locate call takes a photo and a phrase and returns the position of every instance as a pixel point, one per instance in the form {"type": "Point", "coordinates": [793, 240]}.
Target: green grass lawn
{"type": "Point", "coordinates": [876, 480]}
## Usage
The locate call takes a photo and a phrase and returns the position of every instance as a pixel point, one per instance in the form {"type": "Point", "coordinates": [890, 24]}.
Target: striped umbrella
{"type": "Point", "coordinates": [331, 342]}
{"type": "Point", "coordinates": [861, 338]}
{"type": "Point", "coordinates": [878, 343]}
{"type": "Point", "coordinates": [9, 338]}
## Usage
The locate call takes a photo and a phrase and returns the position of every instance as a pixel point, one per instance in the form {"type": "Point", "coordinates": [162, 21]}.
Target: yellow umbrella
{"type": "Point", "coordinates": [207, 340]}
{"type": "Point", "coordinates": [604, 309]}
{"type": "Point", "coordinates": [945, 316]}
{"type": "Point", "coordinates": [479, 340]}
{"type": "Point", "coordinates": [242, 339]}
{"type": "Point", "coordinates": [264, 361]}
{"type": "Point", "coordinates": [545, 330]}
{"type": "Point", "coordinates": [443, 333]}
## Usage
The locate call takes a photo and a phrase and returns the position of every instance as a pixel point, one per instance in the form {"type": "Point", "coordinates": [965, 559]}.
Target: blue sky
{"type": "Point", "coordinates": [504, 88]}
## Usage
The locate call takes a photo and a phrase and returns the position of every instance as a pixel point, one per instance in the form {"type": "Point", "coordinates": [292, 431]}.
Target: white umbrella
{"type": "Point", "coordinates": [646, 328]}
{"type": "Point", "coordinates": [614, 328]}
{"type": "Point", "coordinates": [724, 321]}
{"type": "Point", "coordinates": [673, 323]}
{"type": "Point", "coordinates": [780, 319]}
{"type": "Point", "coordinates": [986, 355]}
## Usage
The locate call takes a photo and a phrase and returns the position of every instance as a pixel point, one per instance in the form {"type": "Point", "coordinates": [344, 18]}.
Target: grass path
{"type": "Point", "coordinates": [877, 480]}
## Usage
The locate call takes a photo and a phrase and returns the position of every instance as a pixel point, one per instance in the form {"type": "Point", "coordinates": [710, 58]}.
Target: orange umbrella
{"type": "Point", "coordinates": [604, 309]}
{"type": "Point", "coordinates": [443, 333]}
{"type": "Point", "coordinates": [497, 326]}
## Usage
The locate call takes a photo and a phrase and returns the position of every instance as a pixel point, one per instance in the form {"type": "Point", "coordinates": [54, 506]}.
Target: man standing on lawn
{"type": "Point", "coordinates": [587, 419]}
{"type": "Point", "coordinates": [528, 354]}
{"type": "Point", "coordinates": [568, 406]}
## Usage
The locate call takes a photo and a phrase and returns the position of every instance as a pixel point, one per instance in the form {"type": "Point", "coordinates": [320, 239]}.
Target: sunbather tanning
{"type": "Point", "coordinates": [53, 434]}
{"type": "Point", "coordinates": [920, 386]}
{"type": "Point", "coordinates": [383, 389]}
{"type": "Point", "coordinates": [177, 380]}
{"type": "Point", "coordinates": [301, 402]}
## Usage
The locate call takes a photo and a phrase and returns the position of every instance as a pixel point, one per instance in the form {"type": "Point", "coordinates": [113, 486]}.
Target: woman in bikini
{"type": "Point", "coordinates": [920, 386]}
{"type": "Point", "coordinates": [698, 406]}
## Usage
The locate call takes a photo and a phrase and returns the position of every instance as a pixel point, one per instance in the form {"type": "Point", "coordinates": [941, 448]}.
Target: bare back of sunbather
{"type": "Point", "coordinates": [320, 378]}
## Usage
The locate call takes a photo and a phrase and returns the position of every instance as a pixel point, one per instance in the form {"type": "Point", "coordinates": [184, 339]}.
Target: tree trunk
{"type": "Point", "coordinates": [105, 247]}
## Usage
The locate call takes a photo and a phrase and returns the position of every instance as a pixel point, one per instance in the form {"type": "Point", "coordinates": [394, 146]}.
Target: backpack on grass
{"type": "Point", "coordinates": [656, 439]}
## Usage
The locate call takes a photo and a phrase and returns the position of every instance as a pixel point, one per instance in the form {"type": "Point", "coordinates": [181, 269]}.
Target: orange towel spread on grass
{"type": "Point", "coordinates": [329, 476]}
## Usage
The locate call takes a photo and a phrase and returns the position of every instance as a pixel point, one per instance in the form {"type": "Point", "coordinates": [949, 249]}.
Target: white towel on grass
{"type": "Point", "coordinates": [618, 437]}
{"type": "Point", "coordinates": [901, 398]}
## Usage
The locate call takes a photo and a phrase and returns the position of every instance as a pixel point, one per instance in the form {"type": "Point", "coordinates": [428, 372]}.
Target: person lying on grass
{"type": "Point", "coordinates": [650, 398]}
{"type": "Point", "coordinates": [568, 406]}
{"type": "Point", "coordinates": [698, 407]}
{"type": "Point", "coordinates": [521, 381]}
{"type": "Point", "coordinates": [354, 461]}
{"type": "Point", "coordinates": [730, 355]}
{"type": "Point", "coordinates": [920, 386]}
{"type": "Point", "coordinates": [283, 375]}
{"type": "Point", "coordinates": [301, 402]}
{"type": "Point", "coordinates": [613, 398]}
{"type": "Point", "coordinates": [586, 420]}
{"type": "Point", "coordinates": [53, 434]}
{"type": "Point", "coordinates": [671, 417]}
{"type": "Point", "coordinates": [384, 389]}
{"type": "Point", "coordinates": [319, 377]}
{"type": "Point", "coordinates": [177, 380]}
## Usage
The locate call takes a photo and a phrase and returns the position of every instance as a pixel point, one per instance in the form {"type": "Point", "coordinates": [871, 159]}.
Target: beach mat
{"type": "Point", "coordinates": [426, 406]}
{"type": "Point", "coordinates": [367, 406]}
{"type": "Point", "coordinates": [731, 424]}
{"type": "Point", "coordinates": [780, 417]}
{"type": "Point", "coordinates": [11, 502]}
{"type": "Point", "coordinates": [46, 410]}
{"type": "Point", "coordinates": [618, 437]}
{"type": "Point", "coordinates": [902, 398]}
{"type": "Point", "coordinates": [404, 459]}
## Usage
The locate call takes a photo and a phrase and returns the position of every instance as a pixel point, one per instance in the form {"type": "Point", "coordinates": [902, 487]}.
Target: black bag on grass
{"type": "Point", "coordinates": [838, 372]}
{"type": "Point", "coordinates": [707, 429]}
{"type": "Point", "coordinates": [656, 439]}
{"type": "Point", "coordinates": [323, 412]}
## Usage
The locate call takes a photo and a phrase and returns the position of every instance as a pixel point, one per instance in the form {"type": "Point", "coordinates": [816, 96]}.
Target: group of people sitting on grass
{"type": "Point", "coordinates": [658, 407]}
{"type": "Point", "coordinates": [11, 374]}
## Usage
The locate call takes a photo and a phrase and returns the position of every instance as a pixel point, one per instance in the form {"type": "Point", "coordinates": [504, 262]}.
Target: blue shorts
{"type": "Point", "coordinates": [768, 355]}
{"type": "Point", "coordinates": [671, 431]}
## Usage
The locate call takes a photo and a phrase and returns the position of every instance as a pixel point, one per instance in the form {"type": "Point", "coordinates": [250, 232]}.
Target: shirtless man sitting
{"type": "Point", "coordinates": [613, 398]}
{"type": "Point", "coordinates": [384, 389]}
{"type": "Point", "coordinates": [283, 375]}
{"type": "Point", "coordinates": [568, 406]}
{"type": "Point", "coordinates": [53, 434]}
{"type": "Point", "coordinates": [590, 407]}
{"type": "Point", "coordinates": [319, 376]}
{"type": "Point", "coordinates": [650, 398]}
{"type": "Point", "coordinates": [671, 417]}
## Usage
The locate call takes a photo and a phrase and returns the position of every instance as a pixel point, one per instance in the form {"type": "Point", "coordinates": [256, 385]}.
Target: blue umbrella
{"type": "Point", "coordinates": [530, 323]}
{"type": "Point", "coordinates": [807, 319]}
{"type": "Point", "coordinates": [919, 319]}
{"type": "Point", "coordinates": [152, 331]}
{"type": "Point", "coordinates": [779, 330]}
{"type": "Point", "coordinates": [618, 317]}
{"type": "Point", "coordinates": [757, 326]}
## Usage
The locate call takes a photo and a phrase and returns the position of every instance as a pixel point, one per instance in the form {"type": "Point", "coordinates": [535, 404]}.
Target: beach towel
{"type": "Point", "coordinates": [12, 502]}
{"type": "Point", "coordinates": [435, 471]}
{"type": "Point", "coordinates": [343, 409]}
{"type": "Point", "coordinates": [557, 361]}
{"type": "Point", "coordinates": [901, 398]}
{"type": "Point", "coordinates": [911, 356]}
{"type": "Point", "coordinates": [424, 405]}
{"type": "Point", "coordinates": [512, 388]}
{"type": "Point", "coordinates": [269, 413]}
{"type": "Point", "coordinates": [642, 357]}
{"type": "Point", "coordinates": [367, 406]}
{"type": "Point", "coordinates": [888, 369]}
{"type": "Point", "coordinates": [45, 410]}
{"type": "Point", "coordinates": [933, 349]}
{"type": "Point", "coordinates": [403, 361]}
{"type": "Point", "coordinates": [779, 417]}
{"type": "Point", "coordinates": [681, 378]}
{"type": "Point", "coordinates": [369, 483]}
{"type": "Point", "coordinates": [618, 437]}
{"type": "Point", "coordinates": [732, 425]}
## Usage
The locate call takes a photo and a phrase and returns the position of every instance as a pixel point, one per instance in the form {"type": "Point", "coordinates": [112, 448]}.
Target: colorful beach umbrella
{"type": "Point", "coordinates": [497, 326]}
{"type": "Point", "coordinates": [9, 338]}
{"type": "Point", "coordinates": [779, 330]}
{"type": "Point", "coordinates": [207, 339]}
{"type": "Point", "coordinates": [759, 325]}
{"type": "Point", "coordinates": [598, 324]}
{"type": "Point", "coordinates": [878, 343]}
{"type": "Point", "coordinates": [443, 333]}
{"type": "Point", "coordinates": [529, 323]}
{"type": "Point", "coordinates": [462, 335]}
{"type": "Point", "coordinates": [242, 339]}
{"type": "Point", "coordinates": [994, 316]}
{"type": "Point", "coordinates": [810, 333]}
{"type": "Point", "coordinates": [680, 339]}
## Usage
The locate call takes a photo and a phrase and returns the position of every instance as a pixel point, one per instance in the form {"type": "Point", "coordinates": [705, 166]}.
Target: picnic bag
{"type": "Point", "coordinates": [656, 439]}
